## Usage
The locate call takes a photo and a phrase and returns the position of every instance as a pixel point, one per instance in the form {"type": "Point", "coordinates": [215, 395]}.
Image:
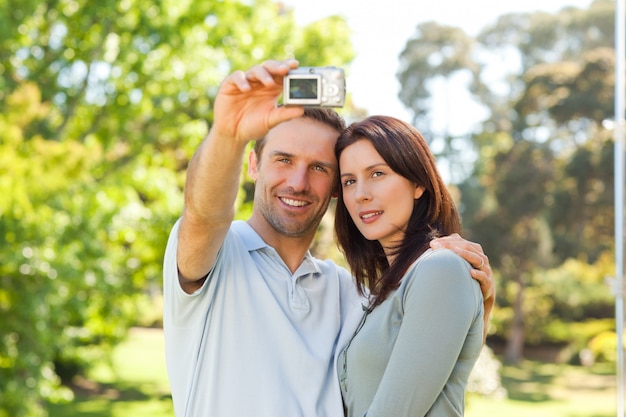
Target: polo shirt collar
{"type": "Point", "coordinates": [249, 236]}
{"type": "Point", "coordinates": [253, 242]}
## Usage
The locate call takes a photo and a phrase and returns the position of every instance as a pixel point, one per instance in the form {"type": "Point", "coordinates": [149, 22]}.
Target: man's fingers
{"type": "Point", "coordinates": [270, 72]}
{"type": "Point", "coordinates": [260, 74]}
{"type": "Point", "coordinates": [485, 282]}
{"type": "Point", "coordinates": [283, 113]}
{"type": "Point", "coordinates": [240, 79]}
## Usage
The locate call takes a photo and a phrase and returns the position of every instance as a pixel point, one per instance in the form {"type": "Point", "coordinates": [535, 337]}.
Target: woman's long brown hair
{"type": "Point", "coordinates": [434, 214]}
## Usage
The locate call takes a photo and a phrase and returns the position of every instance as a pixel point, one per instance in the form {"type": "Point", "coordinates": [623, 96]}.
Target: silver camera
{"type": "Point", "coordinates": [315, 87]}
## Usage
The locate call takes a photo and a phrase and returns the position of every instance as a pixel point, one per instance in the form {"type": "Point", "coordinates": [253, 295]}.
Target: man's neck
{"type": "Point", "coordinates": [290, 249]}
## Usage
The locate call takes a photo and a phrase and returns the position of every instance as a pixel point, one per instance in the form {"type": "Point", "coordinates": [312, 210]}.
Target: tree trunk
{"type": "Point", "coordinates": [515, 344]}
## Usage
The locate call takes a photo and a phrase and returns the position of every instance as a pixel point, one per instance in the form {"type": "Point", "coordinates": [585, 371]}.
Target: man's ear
{"type": "Point", "coordinates": [336, 191]}
{"type": "Point", "coordinates": [253, 165]}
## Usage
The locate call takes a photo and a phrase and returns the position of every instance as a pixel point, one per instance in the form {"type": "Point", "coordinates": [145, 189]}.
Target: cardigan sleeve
{"type": "Point", "coordinates": [442, 306]}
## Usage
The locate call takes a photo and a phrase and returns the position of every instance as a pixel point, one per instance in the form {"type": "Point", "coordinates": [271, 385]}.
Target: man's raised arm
{"type": "Point", "coordinates": [245, 109]}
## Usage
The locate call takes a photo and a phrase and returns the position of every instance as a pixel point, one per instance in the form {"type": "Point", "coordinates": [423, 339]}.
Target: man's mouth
{"type": "Point", "coordinates": [293, 203]}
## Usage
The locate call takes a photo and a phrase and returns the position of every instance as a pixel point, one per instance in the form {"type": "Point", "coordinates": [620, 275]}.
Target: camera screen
{"type": "Point", "coordinates": [303, 88]}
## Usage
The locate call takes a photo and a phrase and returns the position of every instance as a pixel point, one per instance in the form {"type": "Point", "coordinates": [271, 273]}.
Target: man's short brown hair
{"type": "Point", "coordinates": [325, 115]}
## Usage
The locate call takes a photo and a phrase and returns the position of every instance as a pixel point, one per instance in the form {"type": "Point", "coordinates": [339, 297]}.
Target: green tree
{"type": "Point", "coordinates": [539, 194]}
{"type": "Point", "coordinates": [434, 57]}
{"type": "Point", "coordinates": [101, 106]}
{"type": "Point", "coordinates": [434, 52]}
{"type": "Point", "coordinates": [514, 230]}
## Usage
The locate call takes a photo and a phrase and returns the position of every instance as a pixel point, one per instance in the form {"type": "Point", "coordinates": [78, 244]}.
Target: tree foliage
{"type": "Point", "coordinates": [434, 52]}
{"type": "Point", "coordinates": [539, 198]}
{"type": "Point", "coordinates": [101, 106]}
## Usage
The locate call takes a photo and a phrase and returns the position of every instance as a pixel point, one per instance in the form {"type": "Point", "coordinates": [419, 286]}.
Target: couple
{"type": "Point", "coordinates": [256, 326]}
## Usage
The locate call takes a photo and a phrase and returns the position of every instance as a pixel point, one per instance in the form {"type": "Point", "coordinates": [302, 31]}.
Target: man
{"type": "Point", "coordinates": [252, 321]}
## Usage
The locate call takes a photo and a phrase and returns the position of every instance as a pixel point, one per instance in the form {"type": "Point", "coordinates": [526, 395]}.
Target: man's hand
{"type": "Point", "coordinates": [246, 108]}
{"type": "Point", "coordinates": [473, 253]}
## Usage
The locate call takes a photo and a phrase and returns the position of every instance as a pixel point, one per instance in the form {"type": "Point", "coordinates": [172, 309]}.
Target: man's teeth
{"type": "Point", "coordinates": [295, 203]}
{"type": "Point", "coordinates": [367, 216]}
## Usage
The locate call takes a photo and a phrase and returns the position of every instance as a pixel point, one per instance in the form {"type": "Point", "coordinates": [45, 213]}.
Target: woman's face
{"type": "Point", "coordinates": [379, 200]}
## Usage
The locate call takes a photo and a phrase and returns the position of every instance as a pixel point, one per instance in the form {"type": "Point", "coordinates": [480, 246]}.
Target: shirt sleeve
{"type": "Point", "coordinates": [441, 302]}
{"type": "Point", "coordinates": [179, 307]}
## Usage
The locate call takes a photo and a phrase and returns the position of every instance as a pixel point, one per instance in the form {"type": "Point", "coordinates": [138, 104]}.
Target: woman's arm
{"type": "Point", "coordinates": [481, 269]}
{"type": "Point", "coordinates": [441, 327]}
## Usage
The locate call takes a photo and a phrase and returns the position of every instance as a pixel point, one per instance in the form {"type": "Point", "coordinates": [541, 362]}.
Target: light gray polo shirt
{"type": "Point", "coordinates": [256, 340]}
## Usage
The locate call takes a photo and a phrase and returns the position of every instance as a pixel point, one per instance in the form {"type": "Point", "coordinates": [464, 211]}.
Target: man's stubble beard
{"type": "Point", "coordinates": [295, 228]}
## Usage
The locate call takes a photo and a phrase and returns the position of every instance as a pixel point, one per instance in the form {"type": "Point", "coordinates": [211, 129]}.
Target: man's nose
{"type": "Point", "coordinates": [298, 179]}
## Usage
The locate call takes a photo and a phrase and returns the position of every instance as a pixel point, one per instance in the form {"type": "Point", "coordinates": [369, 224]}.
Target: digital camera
{"type": "Point", "coordinates": [315, 87]}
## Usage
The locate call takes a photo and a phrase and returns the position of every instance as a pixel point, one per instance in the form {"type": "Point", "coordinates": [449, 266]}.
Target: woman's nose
{"type": "Point", "coordinates": [363, 194]}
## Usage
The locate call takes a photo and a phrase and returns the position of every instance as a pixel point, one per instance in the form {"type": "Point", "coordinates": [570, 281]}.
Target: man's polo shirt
{"type": "Point", "coordinates": [255, 339]}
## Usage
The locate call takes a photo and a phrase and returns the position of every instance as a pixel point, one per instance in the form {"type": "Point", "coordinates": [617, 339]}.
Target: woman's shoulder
{"type": "Point", "coordinates": [441, 258]}
{"type": "Point", "coordinates": [438, 272]}
{"type": "Point", "coordinates": [437, 267]}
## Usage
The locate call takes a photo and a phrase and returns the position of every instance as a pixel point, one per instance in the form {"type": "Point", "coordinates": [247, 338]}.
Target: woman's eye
{"type": "Point", "coordinates": [348, 182]}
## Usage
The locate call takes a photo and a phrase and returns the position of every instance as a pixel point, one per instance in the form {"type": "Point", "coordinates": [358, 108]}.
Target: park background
{"type": "Point", "coordinates": [103, 103]}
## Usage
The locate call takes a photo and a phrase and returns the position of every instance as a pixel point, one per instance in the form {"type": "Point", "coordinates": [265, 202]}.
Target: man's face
{"type": "Point", "coordinates": [295, 178]}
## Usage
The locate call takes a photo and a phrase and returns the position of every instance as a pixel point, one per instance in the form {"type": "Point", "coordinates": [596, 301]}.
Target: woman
{"type": "Point", "coordinates": [423, 329]}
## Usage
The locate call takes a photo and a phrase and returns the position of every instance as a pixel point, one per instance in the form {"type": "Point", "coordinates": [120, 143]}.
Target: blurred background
{"type": "Point", "coordinates": [103, 103]}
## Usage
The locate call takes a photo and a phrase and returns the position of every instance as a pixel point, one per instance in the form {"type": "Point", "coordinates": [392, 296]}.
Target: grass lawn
{"type": "Point", "coordinates": [551, 390]}
{"type": "Point", "coordinates": [137, 386]}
